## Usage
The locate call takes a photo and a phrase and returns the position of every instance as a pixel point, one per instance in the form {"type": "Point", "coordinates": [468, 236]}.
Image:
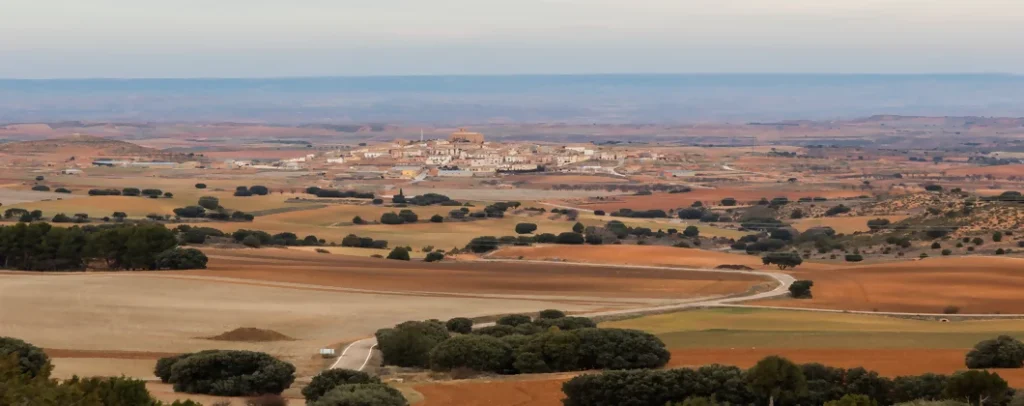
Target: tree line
{"type": "Point", "coordinates": [778, 381]}
{"type": "Point", "coordinates": [144, 246]}
{"type": "Point", "coordinates": [519, 344]}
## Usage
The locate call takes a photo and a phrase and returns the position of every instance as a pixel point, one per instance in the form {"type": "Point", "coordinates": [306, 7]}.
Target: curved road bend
{"type": "Point", "coordinates": [357, 355]}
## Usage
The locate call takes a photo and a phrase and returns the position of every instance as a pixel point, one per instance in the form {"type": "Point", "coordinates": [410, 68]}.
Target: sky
{"type": "Point", "coordinates": [279, 38]}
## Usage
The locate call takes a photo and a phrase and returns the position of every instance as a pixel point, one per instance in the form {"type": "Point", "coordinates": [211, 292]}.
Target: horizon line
{"type": "Point", "coordinates": [497, 75]}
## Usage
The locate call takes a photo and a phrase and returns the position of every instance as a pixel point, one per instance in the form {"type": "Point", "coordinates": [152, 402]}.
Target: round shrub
{"type": "Point", "coordinates": [41, 188]}
{"type": "Point", "coordinates": [231, 373]}
{"type": "Point", "coordinates": [525, 228]}
{"type": "Point", "coordinates": [459, 325]}
{"type": "Point", "coordinates": [399, 253]}
{"type": "Point", "coordinates": [31, 359]}
{"type": "Point", "coordinates": [437, 218]}
{"type": "Point", "coordinates": [612, 348]}
{"type": "Point", "coordinates": [566, 323]}
{"type": "Point", "coordinates": [373, 394]}
{"type": "Point", "coordinates": [551, 314]}
{"type": "Point", "coordinates": [328, 380]}
{"type": "Point", "coordinates": [573, 238]}
{"type": "Point", "coordinates": [181, 258]}
{"type": "Point", "coordinates": [200, 186]}
{"type": "Point", "coordinates": [513, 320]}
{"type": "Point", "coordinates": [476, 352]}
{"type": "Point", "coordinates": [434, 257]}
{"type": "Point", "coordinates": [1001, 352]}
{"type": "Point", "coordinates": [409, 344]}
{"type": "Point", "coordinates": [496, 331]}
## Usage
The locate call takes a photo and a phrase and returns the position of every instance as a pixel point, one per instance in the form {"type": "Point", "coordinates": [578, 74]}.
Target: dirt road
{"type": "Point", "coordinates": [358, 353]}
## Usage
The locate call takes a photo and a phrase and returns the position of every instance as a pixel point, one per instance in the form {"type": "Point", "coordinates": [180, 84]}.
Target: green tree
{"type": "Point", "coordinates": [551, 314]}
{"type": "Point", "coordinates": [691, 231]}
{"type": "Point", "coordinates": [409, 344]}
{"type": "Point", "coordinates": [578, 227]}
{"type": "Point", "coordinates": [1002, 352]}
{"type": "Point", "coordinates": [329, 379]}
{"type": "Point", "coordinates": [460, 325]}
{"type": "Point", "coordinates": [513, 320]}
{"type": "Point", "coordinates": [977, 387]}
{"type": "Point", "coordinates": [399, 253]}
{"type": "Point", "coordinates": [782, 259]}
{"type": "Point", "coordinates": [231, 373]}
{"type": "Point", "coordinates": [29, 358]}
{"type": "Point", "coordinates": [209, 202]}
{"type": "Point", "coordinates": [525, 228]}
{"type": "Point", "coordinates": [801, 289]}
{"type": "Point", "coordinates": [852, 400]}
{"type": "Point", "coordinates": [777, 380]}
{"type": "Point", "coordinates": [434, 256]}
{"type": "Point", "coordinates": [373, 394]}
{"type": "Point", "coordinates": [181, 258]}
{"type": "Point", "coordinates": [476, 352]}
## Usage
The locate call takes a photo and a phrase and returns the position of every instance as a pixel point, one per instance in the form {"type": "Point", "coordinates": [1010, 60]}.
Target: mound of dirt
{"type": "Point", "coordinates": [735, 267]}
{"type": "Point", "coordinates": [251, 335]}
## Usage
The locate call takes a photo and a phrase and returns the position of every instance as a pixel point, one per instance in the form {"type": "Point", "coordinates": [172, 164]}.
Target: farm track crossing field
{"type": "Point", "coordinates": [101, 316]}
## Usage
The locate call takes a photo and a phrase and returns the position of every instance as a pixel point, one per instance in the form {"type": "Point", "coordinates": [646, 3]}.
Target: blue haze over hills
{"type": "Point", "coordinates": [602, 99]}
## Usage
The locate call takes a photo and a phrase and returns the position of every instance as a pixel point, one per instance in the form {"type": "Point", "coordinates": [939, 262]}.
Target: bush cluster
{"type": "Point", "coordinates": [517, 344]}
{"type": "Point", "coordinates": [42, 247]}
{"type": "Point", "coordinates": [226, 373]}
{"type": "Point", "coordinates": [25, 380]}
{"type": "Point", "coordinates": [779, 381]}
{"type": "Point", "coordinates": [353, 240]}
{"type": "Point", "coordinates": [257, 238]}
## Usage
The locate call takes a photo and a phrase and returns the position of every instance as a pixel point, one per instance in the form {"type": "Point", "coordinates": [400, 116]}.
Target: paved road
{"type": "Point", "coordinates": [357, 354]}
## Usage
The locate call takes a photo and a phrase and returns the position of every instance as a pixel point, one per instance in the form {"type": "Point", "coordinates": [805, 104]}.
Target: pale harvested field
{"type": "Point", "coordinates": [11, 197]}
{"type": "Point", "coordinates": [974, 284]}
{"type": "Point", "coordinates": [844, 225]}
{"type": "Point", "coordinates": [151, 312]}
{"type": "Point", "coordinates": [468, 277]}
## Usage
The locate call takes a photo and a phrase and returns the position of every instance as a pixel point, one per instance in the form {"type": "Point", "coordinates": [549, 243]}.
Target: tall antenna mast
{"type": "Point", "coordinates": [421, 135]}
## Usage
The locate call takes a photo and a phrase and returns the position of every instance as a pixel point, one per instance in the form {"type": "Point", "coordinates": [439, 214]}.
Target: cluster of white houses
{"type": "Point", "coordinates": [464, 154]}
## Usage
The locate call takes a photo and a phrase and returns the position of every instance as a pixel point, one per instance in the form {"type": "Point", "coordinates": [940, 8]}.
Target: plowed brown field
{"type": "Point", "coordinates": [548, 392]}
{"type": "Point", "coordinates": [494, 393]}
{"type": "Point", "coordinates": [974, 284]}
{"type": "Point", "coordinates": [294, 266]}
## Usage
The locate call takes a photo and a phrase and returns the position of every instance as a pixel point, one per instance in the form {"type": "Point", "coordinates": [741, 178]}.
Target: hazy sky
{"type": "Point", "coordinates": [250, 38]}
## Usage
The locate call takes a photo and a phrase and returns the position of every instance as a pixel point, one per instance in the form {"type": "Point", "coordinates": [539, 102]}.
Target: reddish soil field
{"type": "Point", "coordinates": [493, 393]}
{"type": "Point", "coordinates": [279, 265]}
{"type": "Point", "coordinates": [652, 255]}
{"type": "Point", "coordinates": [666, 201]}
{"type": "Point", "coordinates": [974, 284]}
{"type": "Point", "coordinates": [548, 392]}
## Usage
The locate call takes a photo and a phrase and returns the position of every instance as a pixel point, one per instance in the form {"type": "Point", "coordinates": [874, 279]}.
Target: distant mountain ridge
{"type": "Point", "coordinates": [468, 100]}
